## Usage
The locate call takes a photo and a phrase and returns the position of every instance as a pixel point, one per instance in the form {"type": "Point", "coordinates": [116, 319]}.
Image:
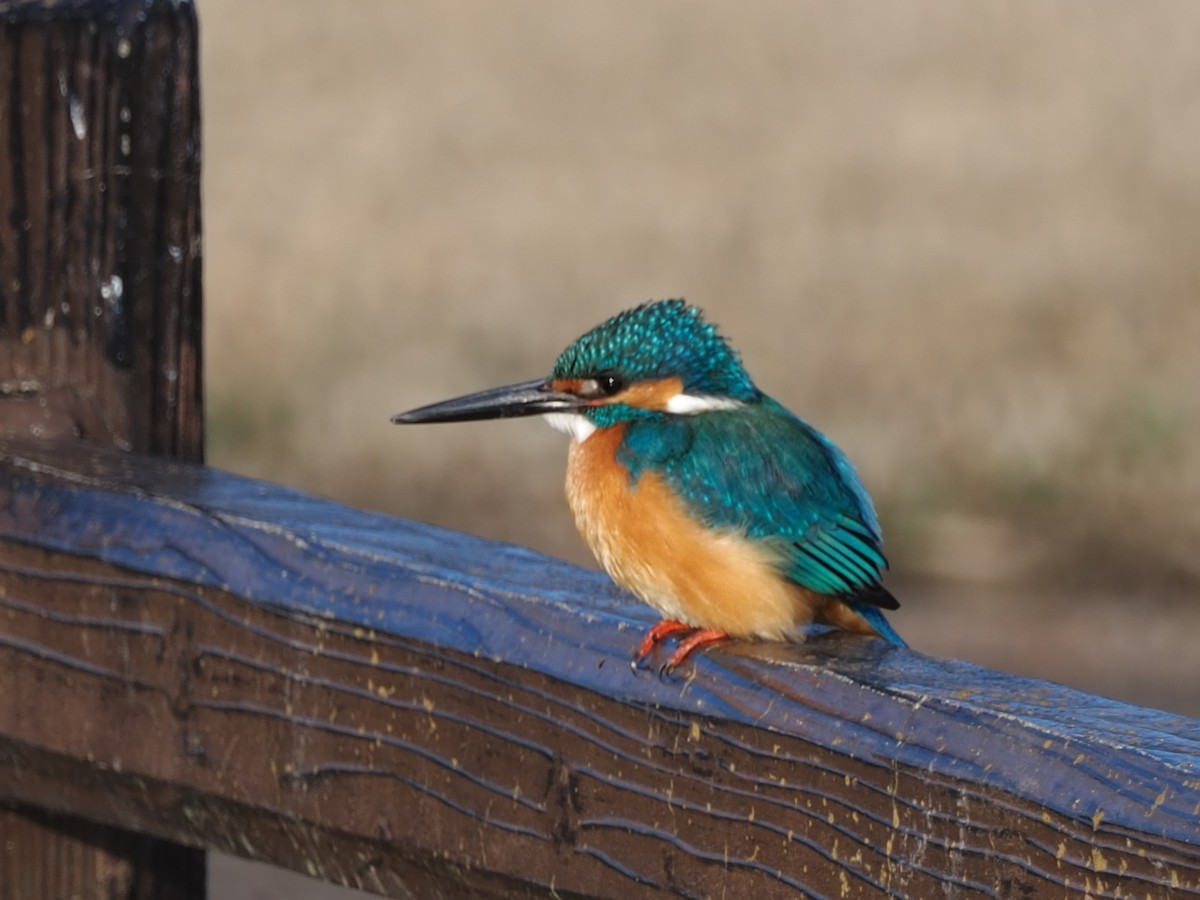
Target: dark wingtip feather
{"type": "Point", "coordinates": [876, 595]}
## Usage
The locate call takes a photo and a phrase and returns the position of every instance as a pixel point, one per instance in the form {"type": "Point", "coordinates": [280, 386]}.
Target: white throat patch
{"type": "Point", "coordinates": [577, 426]}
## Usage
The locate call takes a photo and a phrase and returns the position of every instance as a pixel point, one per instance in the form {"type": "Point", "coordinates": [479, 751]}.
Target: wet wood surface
{"type": "Point", "coordinates": [378, 703]}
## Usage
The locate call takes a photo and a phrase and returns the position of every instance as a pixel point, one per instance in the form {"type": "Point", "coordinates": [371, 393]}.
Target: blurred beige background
{"type": "Point", "coordinates": [962, 239]}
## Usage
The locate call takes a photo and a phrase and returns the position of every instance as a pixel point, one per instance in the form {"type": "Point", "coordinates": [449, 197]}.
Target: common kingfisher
{"type": "Point", "coordinates": [710, 501]}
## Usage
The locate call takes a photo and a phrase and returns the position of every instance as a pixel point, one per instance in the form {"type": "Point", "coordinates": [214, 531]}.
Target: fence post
{"type": "Point", "coordinates": [100, 315]}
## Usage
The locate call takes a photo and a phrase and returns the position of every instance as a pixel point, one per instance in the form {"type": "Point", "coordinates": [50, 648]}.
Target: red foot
{"type": "Point", "coordinates": [694, 641]}
{"type": "Point", "coordinates": [660, 633]}
{"type": "Point", "coordinates": [697, 638]}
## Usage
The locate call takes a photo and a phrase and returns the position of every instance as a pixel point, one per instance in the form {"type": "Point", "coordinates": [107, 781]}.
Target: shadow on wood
{"type": "Point", "coordinates": [110, 862]}
{"type": "Point", "coordinates": [391, 706]}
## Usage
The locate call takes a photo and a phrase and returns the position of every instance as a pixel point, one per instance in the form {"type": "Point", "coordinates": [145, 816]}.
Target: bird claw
{"type": "Point", "coordinates": [641, 664]}
{"type": "Point", "coordinates": [696, 639]}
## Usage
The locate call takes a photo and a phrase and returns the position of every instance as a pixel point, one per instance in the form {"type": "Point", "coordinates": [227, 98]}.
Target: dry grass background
{"type": "Point", "coordinates": [963, 239]}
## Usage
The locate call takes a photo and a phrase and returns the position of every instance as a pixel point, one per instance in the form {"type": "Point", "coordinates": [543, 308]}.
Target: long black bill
{"type": "Point", "coordinates": [529, 398]}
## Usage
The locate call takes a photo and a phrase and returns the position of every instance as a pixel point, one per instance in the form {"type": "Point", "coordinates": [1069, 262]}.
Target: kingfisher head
{"type": "Point", "coordinates": [654, 360]}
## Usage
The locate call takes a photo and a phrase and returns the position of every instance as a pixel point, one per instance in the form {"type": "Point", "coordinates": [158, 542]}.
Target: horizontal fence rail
{"type": "Point", "coordinates": [243, 667]}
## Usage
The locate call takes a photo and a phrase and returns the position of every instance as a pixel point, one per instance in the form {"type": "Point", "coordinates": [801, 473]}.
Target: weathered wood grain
{"type": "Point", "coordinates": [420, 713]}
{"type": "Point", "coordinates": [100, 254]}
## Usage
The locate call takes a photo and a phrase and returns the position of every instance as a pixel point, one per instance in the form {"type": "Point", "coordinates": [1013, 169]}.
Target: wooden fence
{"type": "Point", "coordinates": [190, 660]}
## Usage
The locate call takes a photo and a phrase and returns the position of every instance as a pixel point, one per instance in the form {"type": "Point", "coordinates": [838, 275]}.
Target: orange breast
{"type": "Point", "coordinates": [646, 540]}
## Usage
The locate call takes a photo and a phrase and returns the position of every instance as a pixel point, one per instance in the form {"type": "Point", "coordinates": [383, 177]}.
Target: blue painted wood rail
{"type": "Point", "coordinates": [376, 702]}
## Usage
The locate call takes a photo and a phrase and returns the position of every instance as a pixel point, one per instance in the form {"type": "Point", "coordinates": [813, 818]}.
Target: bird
{"type": "Point", "coordinates": [728, 514]}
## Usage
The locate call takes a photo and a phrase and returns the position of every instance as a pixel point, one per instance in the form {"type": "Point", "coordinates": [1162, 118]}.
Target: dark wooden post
{"type": "Point", "coordinates": [100, 305]}
{"type": "Point", "coordinates": [100, 224]}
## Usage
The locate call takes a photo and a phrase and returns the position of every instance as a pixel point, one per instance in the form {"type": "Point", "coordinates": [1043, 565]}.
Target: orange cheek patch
{"type": "Point", "coordinates": [649, 394]}
{"type": "Point", "coordinates": [653, 394]}
{"type": "Point", "coordinates": [567, 385]}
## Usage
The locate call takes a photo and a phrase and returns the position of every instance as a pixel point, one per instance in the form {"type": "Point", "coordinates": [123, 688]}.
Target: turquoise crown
{"type": "Point", "coordinates": [657, 340]}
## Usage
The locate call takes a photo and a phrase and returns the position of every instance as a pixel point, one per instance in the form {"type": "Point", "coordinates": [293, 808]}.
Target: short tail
{"type": "Point", "coordinates": [882, 627]}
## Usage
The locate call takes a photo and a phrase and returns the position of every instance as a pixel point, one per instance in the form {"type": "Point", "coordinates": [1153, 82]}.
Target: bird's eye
{"type": "Point", "coordinates": [606, 384]}
{"type": "Point", "coordinates": [610, 384]}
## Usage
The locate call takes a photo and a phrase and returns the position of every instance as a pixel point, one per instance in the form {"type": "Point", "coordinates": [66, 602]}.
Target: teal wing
{"type": "Point", "coordinates": [764, 471]}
